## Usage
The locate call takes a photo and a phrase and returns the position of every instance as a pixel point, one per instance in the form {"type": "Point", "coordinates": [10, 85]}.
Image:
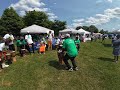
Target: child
{"type": "Point", "coordinates": [77, 43]}
{"type": "Point", "coordinates": [42, 47]}
{"type": "Point", "coordinates": [60, 54]}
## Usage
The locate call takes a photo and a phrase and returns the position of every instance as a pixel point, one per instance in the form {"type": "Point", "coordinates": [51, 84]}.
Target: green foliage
{"type": "Point", "coordinates": [79, 27]}
{"type": "Point", "coordinates": [94, 29]}
{"type": "Point", "coordinates": [35, 17]}
{"type": "Point", "coordinates": [86, 28]}
{"type": "Point", "coordinates": [11, 22]}
{"type": "Point", "coordinates": [103, 32]}
{"type": "Point", "coordinates": [58, 25]}
{"type": "Point", "coordinates": [91, 28]}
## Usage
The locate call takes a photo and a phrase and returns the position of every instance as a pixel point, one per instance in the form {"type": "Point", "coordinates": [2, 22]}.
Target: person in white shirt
{"type": "Point", "coordinates": [3, 55]}
{"type": "Point", "coordinates": [9, 38]}
{"type": "Point", "coordinates": [50, 37]}
{"type": "Point", "coordinates": [29, 40]}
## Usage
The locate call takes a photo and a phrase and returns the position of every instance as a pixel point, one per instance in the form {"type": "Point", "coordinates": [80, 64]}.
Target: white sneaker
{"type": "Point", "coordinates": [4, 65]}
{"type": "Point", "coordinates": [76, 69]}
{"type": "Point", "coordinates": [70, 69]}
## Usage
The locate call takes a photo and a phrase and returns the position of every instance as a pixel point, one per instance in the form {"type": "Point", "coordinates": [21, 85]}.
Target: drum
{"type": "Point", "coordinates": [3, 55]}
{"type": "Point", "coordinates": [8, 56]}
{"type": "Point", "coordinates": [13, 54]}
{"type": "Point", "coordinates": [23, 51]}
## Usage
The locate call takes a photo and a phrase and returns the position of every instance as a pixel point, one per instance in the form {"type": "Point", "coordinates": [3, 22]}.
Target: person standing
{"type": "Point", "coordinates": [77, 43]}
{"type": "Point", "coordinates": [71, 52]}
{"type": "Point", "coordinates": [9, 38]}
{"type": "Point", "coordinates": [116, 48]}
{"type": "Point", "coordinates": [50, 38]}
{"type": "Point", "coordinates": [29, 40]}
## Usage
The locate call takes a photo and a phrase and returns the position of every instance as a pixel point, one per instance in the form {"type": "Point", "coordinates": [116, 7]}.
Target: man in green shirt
{"type": "Point", "coordinates": [71, 52]}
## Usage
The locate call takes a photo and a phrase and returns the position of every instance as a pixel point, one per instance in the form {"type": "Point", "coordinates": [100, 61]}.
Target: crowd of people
{"type": "Point", "coordinates": [66, 47]}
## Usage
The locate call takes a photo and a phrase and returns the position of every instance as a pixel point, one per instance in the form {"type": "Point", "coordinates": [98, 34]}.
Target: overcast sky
{"type": "Point", "coordinates": [105, 14]}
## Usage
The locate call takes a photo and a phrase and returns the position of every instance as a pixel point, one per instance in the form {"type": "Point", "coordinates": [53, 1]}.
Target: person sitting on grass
{"type": "Point", "coordinates": [77, 43]}
{"type": "Point", "coordinates": [116, 48]}
{"type": "Point", "coordinates": [71, 52]}
{"type": "Point", "coordinates": [3, 52]}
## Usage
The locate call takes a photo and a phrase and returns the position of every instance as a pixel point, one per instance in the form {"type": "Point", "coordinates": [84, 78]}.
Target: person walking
{"type": "Point", "coordinates": [71, 52]}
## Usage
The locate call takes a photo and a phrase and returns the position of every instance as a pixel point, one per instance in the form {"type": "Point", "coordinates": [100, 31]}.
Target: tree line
{"type": "Point", "coordinates": [10, 21]}
{"type": "Point", "coordinates": [92, 29]}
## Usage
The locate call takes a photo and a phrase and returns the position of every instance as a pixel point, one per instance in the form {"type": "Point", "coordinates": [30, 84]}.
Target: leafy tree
{"type": "Point", "coordinates": [79, 27]}
{"type": "Point", "coordinates": [36, 17]}
{"type": "Point", "coordinates": [58, 25]}
{"type": "Point", "coordinates": [85, 28]}
{"type": "Point", "coordinates": [94, 29]}
{"type": "Point", "coordinates": [11, 21]}
{"type": "Point", "coordinates": [103, 32]}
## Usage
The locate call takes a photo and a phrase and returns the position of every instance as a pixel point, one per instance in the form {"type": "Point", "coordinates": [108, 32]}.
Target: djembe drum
{"type": "Point", "coordinates": [8, 56]}
{"type": "Point", "coordinates": [13, 56]}
{"type": "Point", "coordinates": [2, 55]}
{"type": "Point", "coordinates": [23, 51]}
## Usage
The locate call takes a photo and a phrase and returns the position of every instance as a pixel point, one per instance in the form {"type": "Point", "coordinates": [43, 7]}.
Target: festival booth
{"type": "Point", "coordinates": [85, 34]}
{"type": "Point", "coordinates": [72, 32]}
{"type": "Point", "coordinates": [35, 31]}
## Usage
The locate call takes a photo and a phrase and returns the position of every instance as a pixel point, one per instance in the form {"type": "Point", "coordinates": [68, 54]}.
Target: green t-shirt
{"type": "Point", "coordinates": [77, 42]}
{"type": "Point", "coordinates": [18, 43]}
{"type": "Point", "coordinates": [70, 47]}
{"type": "Point", "coordinates": [23, 42]}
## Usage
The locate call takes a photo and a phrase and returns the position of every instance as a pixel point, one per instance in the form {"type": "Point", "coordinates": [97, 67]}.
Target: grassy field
{"type": "Point", "coordinates": [97, 71]}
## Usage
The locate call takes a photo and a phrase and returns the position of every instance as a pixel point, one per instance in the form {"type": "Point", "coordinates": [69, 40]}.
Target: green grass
{"type": "Point", "coordinates": [97, 71]}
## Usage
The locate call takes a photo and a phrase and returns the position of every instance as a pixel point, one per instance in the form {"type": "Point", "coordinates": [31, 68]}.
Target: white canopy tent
{"type": "Point", "coordinates": [70, 31]}
{"type": "Point", "coordinates": [82, 31]}
{"type": "Point", "coordinates": [35, 29]}
{"type": "Point", "coordinates": [85, 34]}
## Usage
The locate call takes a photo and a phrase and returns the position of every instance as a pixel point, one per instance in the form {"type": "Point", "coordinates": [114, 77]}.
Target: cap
{"type": "Point", "coordinates": [67, 35]}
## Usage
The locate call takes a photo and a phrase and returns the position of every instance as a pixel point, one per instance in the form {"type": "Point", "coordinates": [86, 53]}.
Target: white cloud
{"type": "Point", "coordinates": [52, 16]}
{"type": "Point", "coordinates": [29, 5]}
{"type": "Point", "coordinates": [104, 18]}
{"type": "Point", "coordinates": [99, 19]}
{"type": "Point", "coordinates": [77, 22]}
{"type": "Point", "coordinates": [110, 1]}
{"type": "Point", "coordinates": [103, 1]}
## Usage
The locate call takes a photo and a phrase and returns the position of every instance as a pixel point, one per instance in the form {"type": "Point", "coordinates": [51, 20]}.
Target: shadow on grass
{"type": "Point", "coordinates": [56, 65]}
{"type": "Point", "coordinates": [106, 59]}
{"type": "Point", "coordinates": [107, 45]}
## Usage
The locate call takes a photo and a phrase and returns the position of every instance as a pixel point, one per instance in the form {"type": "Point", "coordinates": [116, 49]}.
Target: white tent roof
{"type": "Point", "coordinates": [83, 31]}
{"type": "Point", "coordinates": [35, 29]}
{"type": "Point", "coordinates": [68, 31]}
